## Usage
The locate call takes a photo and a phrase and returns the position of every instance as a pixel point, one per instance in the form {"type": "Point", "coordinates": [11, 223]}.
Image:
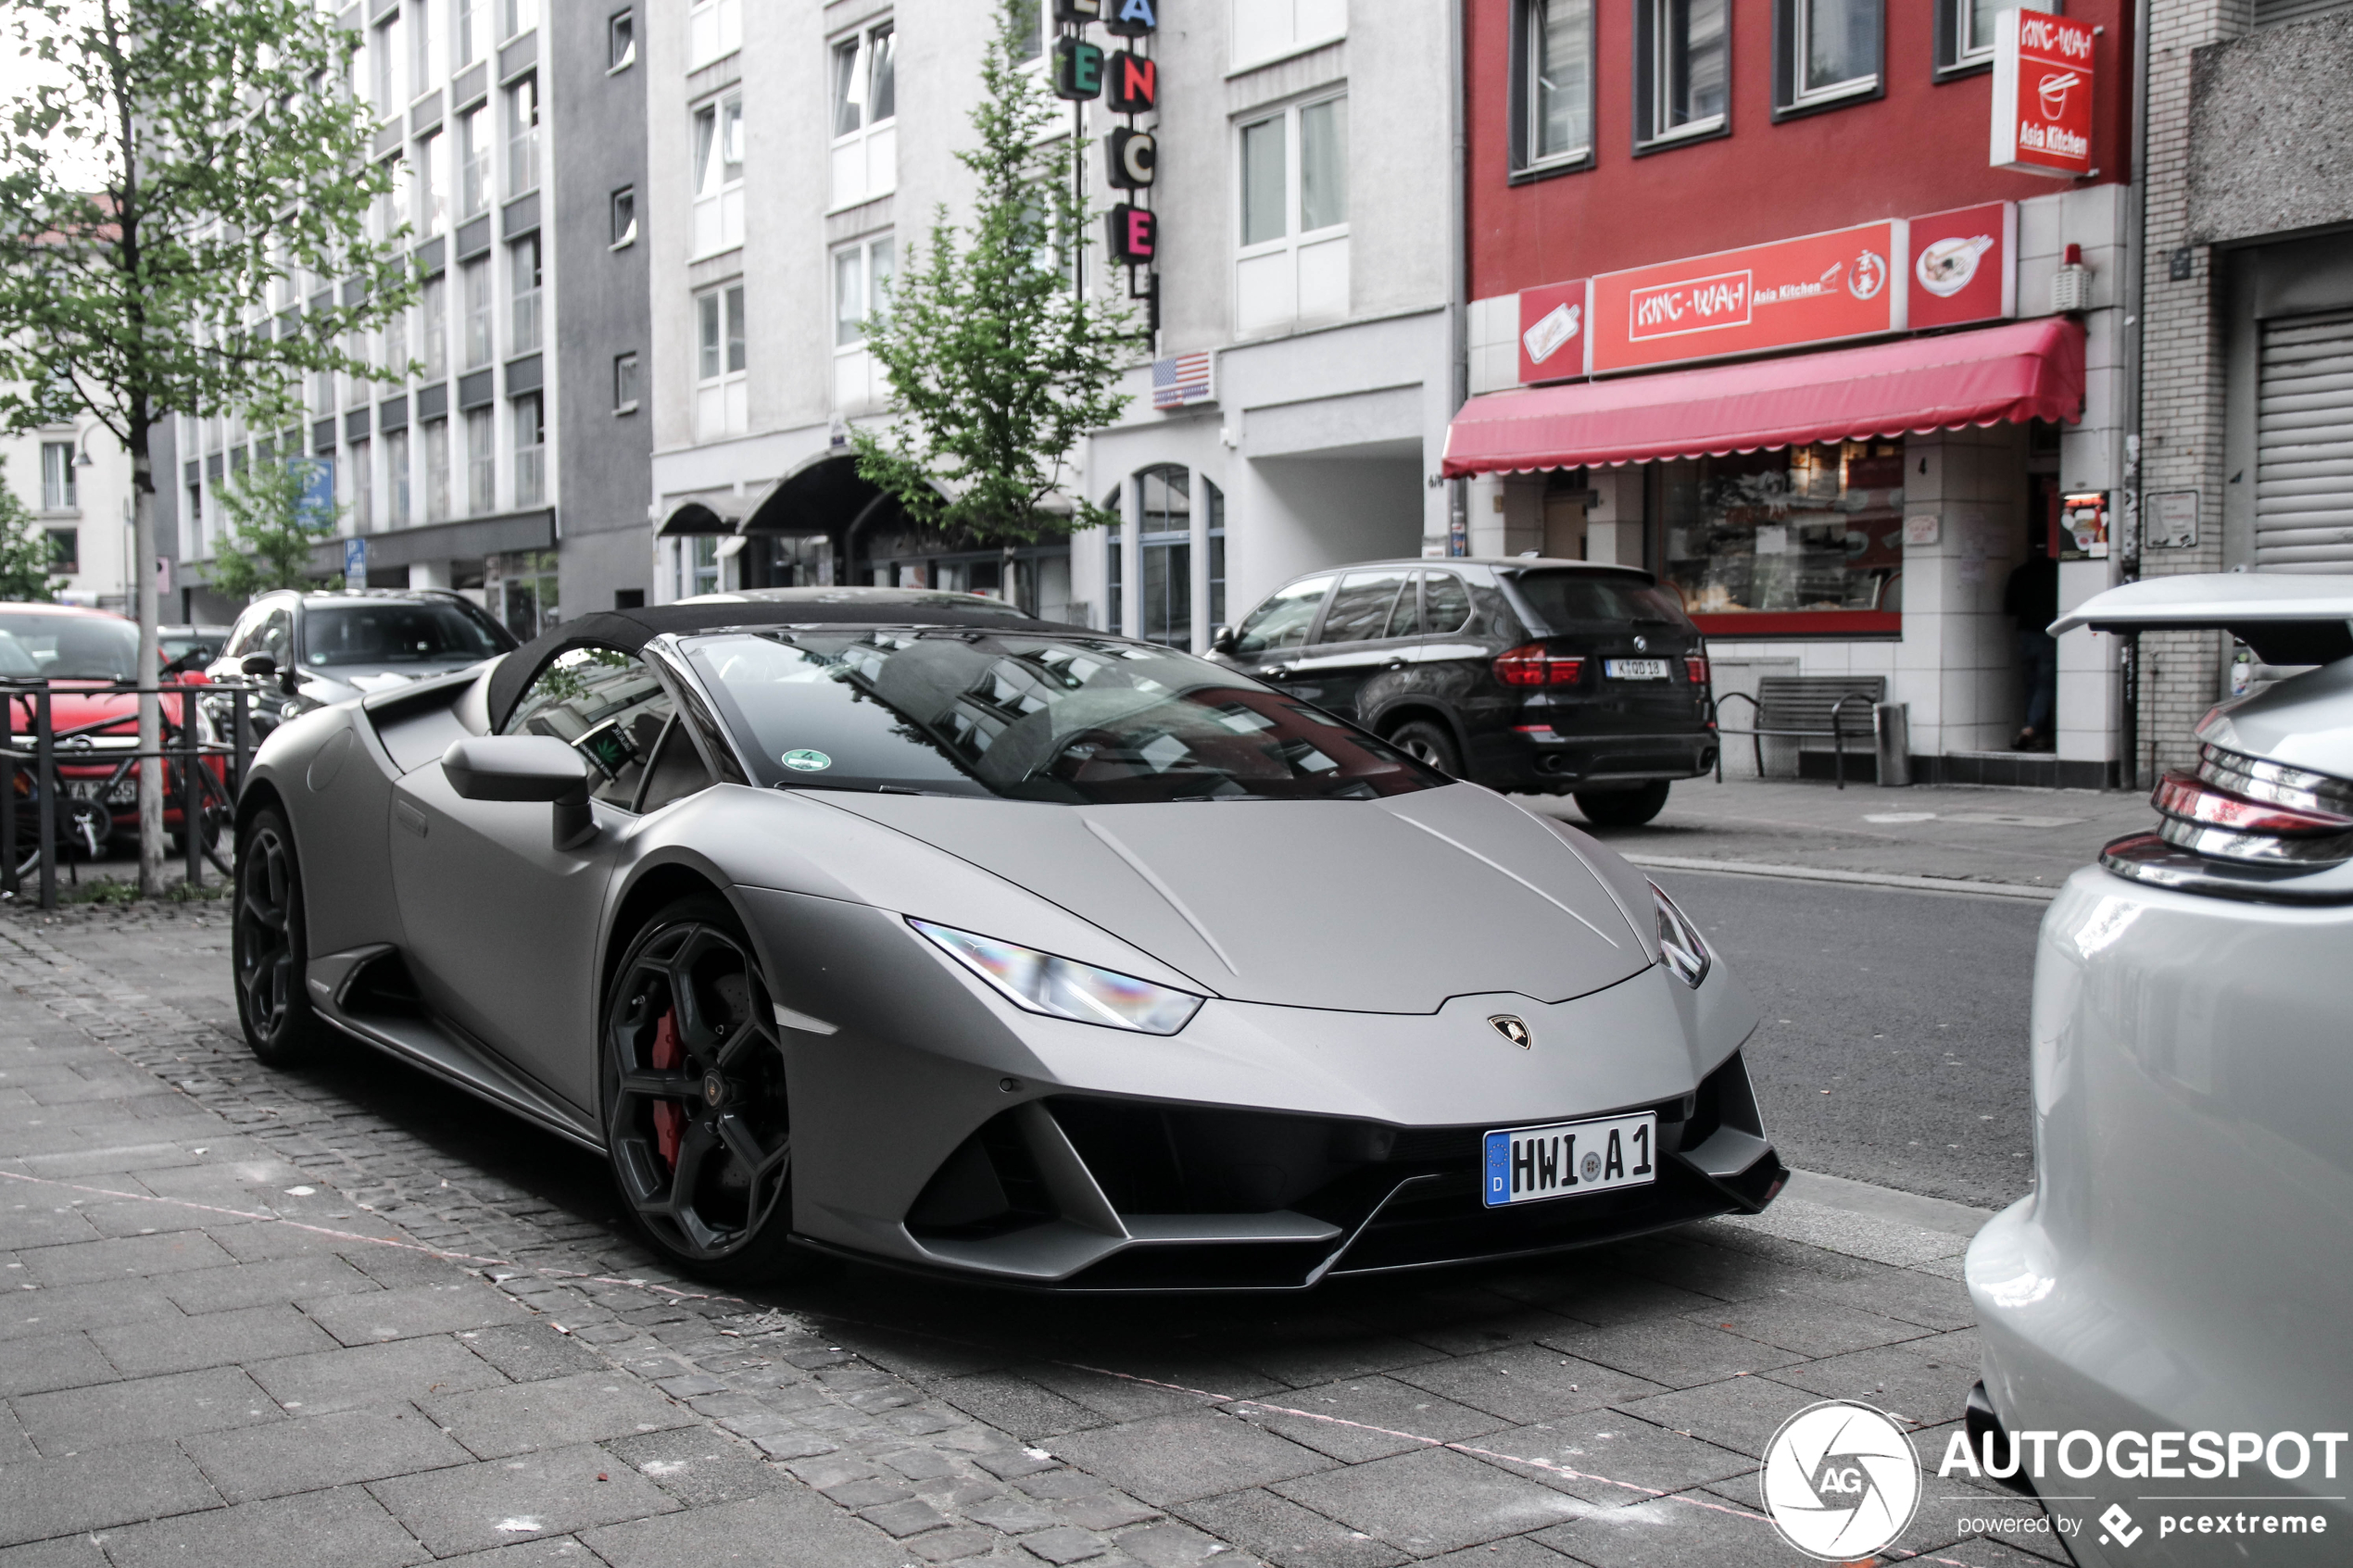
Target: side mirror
{"type": "Point", "coordinates": [525, 767]}
{"type": "Point", "coordinates": [1221, 640]}
{"type": "Point", "coordinates": [259, 666]}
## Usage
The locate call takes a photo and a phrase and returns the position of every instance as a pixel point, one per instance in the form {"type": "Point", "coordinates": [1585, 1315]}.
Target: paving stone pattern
{"type": "Point", "coordinates": [348, 1316]}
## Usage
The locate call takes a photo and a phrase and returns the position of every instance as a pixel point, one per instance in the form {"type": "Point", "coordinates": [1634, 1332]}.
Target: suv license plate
{"type": "Point", "coordinates": [1635, 669]}
{"type": "Point", "coordinates": [1567, 1159]}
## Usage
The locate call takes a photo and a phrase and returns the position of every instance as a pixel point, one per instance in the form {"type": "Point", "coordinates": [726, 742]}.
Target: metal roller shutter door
{"type": "Point", "coordinates": [2304, 446]}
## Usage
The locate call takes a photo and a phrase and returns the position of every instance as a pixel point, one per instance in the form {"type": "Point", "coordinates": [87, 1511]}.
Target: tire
{"type": "Point", "coordinates": [1427, 741]}
{"type": "Point", "coordinates": [698, 1124]}
{"type": "Point", "coordinates": [1623, 807]}
{"type": "Point", "coordinates": [269, 947]}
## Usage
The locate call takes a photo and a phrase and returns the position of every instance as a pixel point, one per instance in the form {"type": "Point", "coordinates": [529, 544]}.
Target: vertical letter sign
{"type": "Point", "coordinates": [2043, 94]}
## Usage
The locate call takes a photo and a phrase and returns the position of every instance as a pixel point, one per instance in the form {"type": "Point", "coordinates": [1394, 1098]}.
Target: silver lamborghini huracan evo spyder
{"type": "Point", "coordinates": [906, 927]}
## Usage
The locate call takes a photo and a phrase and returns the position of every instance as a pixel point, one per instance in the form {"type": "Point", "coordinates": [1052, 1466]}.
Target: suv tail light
{"type": "Point", "coordinates": [1696, 667]}
{"type": "Point", "coordinates": [1531, 664]}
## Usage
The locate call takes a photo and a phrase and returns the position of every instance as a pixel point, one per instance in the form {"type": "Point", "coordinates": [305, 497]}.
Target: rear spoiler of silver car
{"type": "Point", "coordinates": [2285, 618]}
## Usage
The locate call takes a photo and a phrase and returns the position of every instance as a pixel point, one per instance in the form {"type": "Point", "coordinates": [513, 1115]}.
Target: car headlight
{"type": "Point", "coordinates": [1678, 941]}
{"type": "Point", "coordinates": [1059, 988]}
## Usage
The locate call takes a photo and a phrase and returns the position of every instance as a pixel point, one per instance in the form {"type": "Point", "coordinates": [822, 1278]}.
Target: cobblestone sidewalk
{"type": "Point", "coordinates": [347, 1317]}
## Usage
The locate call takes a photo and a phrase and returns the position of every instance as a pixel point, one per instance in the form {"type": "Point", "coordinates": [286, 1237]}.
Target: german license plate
{"type": "Point", "coordinates": [1567, 1159]}
{"type": "Point", "coordinates": [121, 792]}
{"type": "Point", "coordinates": [1635, 669]}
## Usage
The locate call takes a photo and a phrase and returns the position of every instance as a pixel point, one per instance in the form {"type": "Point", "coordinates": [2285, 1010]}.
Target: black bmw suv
{"type": "Point", "coordinates": [1546, 676]}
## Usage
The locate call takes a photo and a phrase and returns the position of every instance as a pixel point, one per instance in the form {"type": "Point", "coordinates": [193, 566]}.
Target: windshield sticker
{"type": "Point", "coordinates": [808, 761]}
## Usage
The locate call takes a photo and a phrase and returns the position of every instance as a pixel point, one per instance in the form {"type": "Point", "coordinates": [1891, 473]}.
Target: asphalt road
{"type": "Point", "coordinates": [1908, 1009]}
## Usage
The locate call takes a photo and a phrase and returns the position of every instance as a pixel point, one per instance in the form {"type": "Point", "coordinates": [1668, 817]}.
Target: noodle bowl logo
{"type": "Point", "coordinates": [1841, 1481]}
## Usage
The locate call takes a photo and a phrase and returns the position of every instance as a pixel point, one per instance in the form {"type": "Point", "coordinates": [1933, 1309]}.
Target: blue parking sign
{"type": "Point", "coordinates": [318, 503]}
{"type": "Point", "coordinates": [354, 564]}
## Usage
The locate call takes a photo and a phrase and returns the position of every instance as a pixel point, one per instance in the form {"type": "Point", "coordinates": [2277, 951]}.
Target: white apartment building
{"type": "Point", "coordinates": [796, 151]}
{"type": "Point", "coordinates": [75, 480]}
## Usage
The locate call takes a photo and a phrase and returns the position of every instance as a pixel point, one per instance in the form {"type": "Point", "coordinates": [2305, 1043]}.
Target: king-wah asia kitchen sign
{"type": "Point", "coordinates": [2043, 104]}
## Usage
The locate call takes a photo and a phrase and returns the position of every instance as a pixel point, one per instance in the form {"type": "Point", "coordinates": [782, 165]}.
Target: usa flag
{"type": "Point", "coordinates": [1185, 379]}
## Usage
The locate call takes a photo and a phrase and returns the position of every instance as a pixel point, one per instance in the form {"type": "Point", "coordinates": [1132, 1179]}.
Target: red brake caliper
{"type": "Point", "coordinates": [670, 1116]}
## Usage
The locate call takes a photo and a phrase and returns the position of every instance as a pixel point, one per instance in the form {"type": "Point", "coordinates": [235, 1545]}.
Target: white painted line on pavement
{"type": "Point", "coordinates": [1865, 879]}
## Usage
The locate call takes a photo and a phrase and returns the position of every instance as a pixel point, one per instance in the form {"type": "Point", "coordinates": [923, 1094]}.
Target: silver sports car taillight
{"type": "Point", "coordinates": [1060, 987]}
{"type": "Point", "coordinates": [2236, 807]}
{"type": "Point", "coordinates": [1679, 942]}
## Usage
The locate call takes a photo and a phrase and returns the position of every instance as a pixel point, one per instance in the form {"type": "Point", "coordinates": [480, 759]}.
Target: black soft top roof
{"type": "Point", "coordinates": [630, 630]}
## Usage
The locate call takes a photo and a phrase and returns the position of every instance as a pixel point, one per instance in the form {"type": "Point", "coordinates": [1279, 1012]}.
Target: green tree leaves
{"type": "Point", "coordinates": [271, 529]}
{"type": "Point", "coordinates": [24, 551]}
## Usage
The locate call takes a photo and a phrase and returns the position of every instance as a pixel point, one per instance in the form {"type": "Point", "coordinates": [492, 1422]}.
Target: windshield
{"type": "Point", "coordinates": [72, 648]}
{"type": "Point", "coordinates": [399, 631]}
{"type": "Point", "coordinates": [1077, 720]}
{"type": "Point", "coordinates": [1561, 598]}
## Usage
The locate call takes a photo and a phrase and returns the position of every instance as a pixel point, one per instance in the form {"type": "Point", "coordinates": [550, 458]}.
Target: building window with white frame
{"type": "Point", "coordinates": [866, 98]}
{"type": "Point", "coordinates": [436, 471]}
{"type": "Point", "coordinates": [396, 346]}
{"type": "Point", "coordinates": [1682, 69]}
{"type": "Point", "coordinates": [386, 55]}
{"type": "Point", "coordinates": [433, 308]}
{"type": "Point", "coordinates": [425, 41]}
{"type": "Point", "coordinates": [482, 345]}
{"type": "Point", "coordinates": [722, 395]}
{"type": "Point", "coordinates": [1826, 52]}
{"type": "Point", "coordinates": [356, 387]}
{"type": "Point", "coordinates": [430, 186]}
{"type": "Point", "coordinates": [624, 384]}
{"type": "Point", "coordinates": [1553, 68]}
{"type": "Point", "coordinates": [1029, 32]}
{"type": "Point", "coordinates": [714, 28]}
{"type": "Point", "coordinates": [623, 210]}
{"type": "Point", "coordinates": [518, 17]}
{"type": "Point", "coordinates": [363, 488]}
{"type": "Point", "coordinates": [1964, 32]}
{"type": "Point", "coordinates": [1268, 30]}
{"type": "Point", "coordinates": [719, 176]}
{"type": "Point", "coordinates": [529, 414]}
{"type": "Point", "coordinates": [1293, 261]}
{"type": "Point", "coordinates": [396, 478]}
{"type": "Point", "coordinates": [621, 41]}
{"type": "Point", "coordinates": [470, 34]}
{"type": "Point", "coordinates": [481, 460]}
{"type": "Point", "coordinates": [474, 162]}
{"type": "Point", "coordinates": [523, 136]}
{"type": "Point", "coordinates": [57, 491]}
{"type": "Point", "coordinates": [523, 294]}
{"type": "Point", "coordinates": [863, 274]}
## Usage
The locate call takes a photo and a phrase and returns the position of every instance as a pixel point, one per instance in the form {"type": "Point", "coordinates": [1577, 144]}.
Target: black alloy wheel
{"type": "Point", "coordinates": [1623, 807]}
{"type": "Point", "coordinates": [268, 946]}
{"type": "Point", "coordinates": [1427, 742]}
{"type": "Point", "coordinates": [697, 1119]}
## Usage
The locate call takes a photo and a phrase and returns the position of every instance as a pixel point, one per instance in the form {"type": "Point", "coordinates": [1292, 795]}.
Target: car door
{"type": "Point", "coordinates": [1362, 639]}
{"type": "Point", "coordinates": [1271, 637]}
{"type": "Point", "coordinates": [501, 925]}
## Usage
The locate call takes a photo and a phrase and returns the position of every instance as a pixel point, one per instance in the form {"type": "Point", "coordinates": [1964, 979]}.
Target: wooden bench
{"type": "Point", "coordinates": [1835, 708]}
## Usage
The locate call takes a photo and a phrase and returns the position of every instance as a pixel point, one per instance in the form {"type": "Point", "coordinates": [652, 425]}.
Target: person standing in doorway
{"type": "Point", "coordinates": [2031, 598]}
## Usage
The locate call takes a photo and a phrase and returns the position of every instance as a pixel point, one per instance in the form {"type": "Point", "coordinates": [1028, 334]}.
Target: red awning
{"type": "Point", "coordinates": [2022, 370]}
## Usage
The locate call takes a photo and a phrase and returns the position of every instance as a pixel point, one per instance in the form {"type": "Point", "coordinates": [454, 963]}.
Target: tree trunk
{"type": "Point", "coordinates": [143, 567]}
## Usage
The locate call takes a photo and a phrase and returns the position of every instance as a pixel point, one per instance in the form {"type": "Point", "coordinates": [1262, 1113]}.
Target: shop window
{"type": "Point", "coordinates": [1293, 262]}
{"type": "Point", "coordinates": [1803, 539]}
{"type": "Point", "coordinates": [722, 395]}
{"type": "Point", "coordinates": [1217, 503]}
{"type": "Point", "coordinates": [719, 176]}
{"type": "Point", "coordinates": [621, 41]}
{"type": "Point", "coordinates": [1552, 85]}
{"type": "Point", "coordinates": [1268, 30]}
{"type": "Point", "coordinates": [526, 592]}
{"type": "Point", "coordinates": [1682, 70]}
{"type": "Point", "coordinates": [701, 563]}
{"type": "Point", "coordinates": [865, 100]}
{"type": "Point", "coordinates": [862, 277]}
{"type": "Point", "coordinates": [1826, 53]}
{"type": "Point", "coordinates": [57, 490]}
{"type": "Point", "coordinates": [1165, 534]}
{"type": "Point", "coordinates": [713, 28]}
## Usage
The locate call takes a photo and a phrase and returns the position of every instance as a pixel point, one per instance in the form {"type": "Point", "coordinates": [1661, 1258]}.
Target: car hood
{"type": "Point", "coordinates": [1384, 906]}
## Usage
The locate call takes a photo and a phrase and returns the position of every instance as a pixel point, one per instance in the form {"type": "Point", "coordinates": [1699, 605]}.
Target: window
{"type": "Point", "coordinates": [470, 39]}
{"type": "Point", "coordinates": [1556, 84]}
{"type": "Point", "coordinates": [1802, 529]}
{"type": "Point", "coordinates": [624, 384]}
{"type": "Point", "coordinates": [1965, 31]}
{"type": "Point", "coordinates": [531, 449]}
{"type": "Point", "coordinates": [434, 304]}
{"type": "Point", "coordinates": [722, 404]}
{"type": "Point", "coordinates": [624, 216]}
{"type": "Point", "coordinates": [713, 28]}
{"type": "Point", "coordinates": [385, 54]}
{"type": "Point", "coordinates": [57, 477]}
{"type": "Point", "coordinates": [1029, 32]}
{"type": "Point", "coordinates": [65, 551]}
{"type": "Point", "coordinates": [363, 488]}
{"type": "Point", "coordinates": [429, 189]}
{"type": "Point", "coordinates": [1293, 264]}
{"type": "Point", "coordinates": [1164, 539]}
{"type": "Point", "coordinates": [1371, 606]}
{"type": "Point", "coordinates": [395, 342]}
{"type": "Point", "coordinates": [863, 276]}
{"type": "Point", "coordinates": [474, 278]}
{"type": "Point", "coordinates": [481, 461]}
{"type": "Point", "coordinates": [719, 176]}
{"type": "Point", "coordinates": [606, 704]}
{"type": "Point", "coordinates": [356, 387]}
{"type": "Point", "coordinates": [523, 293]}
{"type": "Point", "coordinates": [1217, 553]}
{"type": "Point", "coordinates": [518, 16]}
{"type": "Point", "coordinates": [425, 38]}
{"type": "Point", "coordinates": [1283, 621]}
{"type": "Point", "coordinates": [865, 80]}
{"type": "Point", "coordinates": [436, 471]}
{"type": "Point", "coordinates": [523, 136]}
{"type": "Point", "coordinates": [1267, 30]}
{"type": "Point", "coordinates": [474, 162]}
{"type": "Point", "coordinates": [397, 479]}
{"type": "Point", "coordinates": [621, 41]}
{"type": "Point", "coordinates": [323, 393]}
{"type": "Point", "coordinates": [1682, 68]}
{"type": "Point", "coordinates": [1826, 52]}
